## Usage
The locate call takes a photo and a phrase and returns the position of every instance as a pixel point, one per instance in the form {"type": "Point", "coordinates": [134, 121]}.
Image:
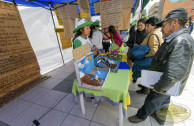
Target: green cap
{"type": "Point", "coordinates": [82, 23]}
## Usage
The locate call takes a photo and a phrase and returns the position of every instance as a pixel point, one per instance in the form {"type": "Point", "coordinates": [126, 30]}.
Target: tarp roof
{"type": "Point", "coordinates": [45, 3]}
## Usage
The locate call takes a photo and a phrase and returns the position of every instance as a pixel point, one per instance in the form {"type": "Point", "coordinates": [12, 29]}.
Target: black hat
{"type": "Point", "coordinates": [152, 20]}
{"type": "Point", "coordinates": [179, 13]}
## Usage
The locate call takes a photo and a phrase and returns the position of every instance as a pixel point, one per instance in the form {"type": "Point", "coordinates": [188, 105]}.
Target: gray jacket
{"type": "Point", "coordinates": [174, 58]}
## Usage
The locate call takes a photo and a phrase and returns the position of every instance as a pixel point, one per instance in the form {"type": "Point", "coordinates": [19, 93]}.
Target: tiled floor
{"type": "Point", "coordinates": [55, 108]}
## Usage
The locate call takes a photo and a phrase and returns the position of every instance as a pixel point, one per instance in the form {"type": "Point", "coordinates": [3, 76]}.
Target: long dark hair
{"type": "Point", "coordinates": [111, 29]}
{"type": "Point", "coordinates": [132, 30]}
{"type": "Point", "coordinates": [143, 20]}
{"type": "Point", "coordinates": [92, 27]}
{"type": "Point", "coordinates": [78, 33]}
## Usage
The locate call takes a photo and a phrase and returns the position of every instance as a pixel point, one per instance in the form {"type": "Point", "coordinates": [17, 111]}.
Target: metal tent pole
{"type": "Point", "coordinates": [14, 2]}
{"type": "Point", "coordinates": [56, 33]}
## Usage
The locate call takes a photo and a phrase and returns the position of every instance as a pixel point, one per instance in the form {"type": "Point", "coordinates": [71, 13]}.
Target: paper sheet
{"type": "Point", "coordinates": [152, 77]}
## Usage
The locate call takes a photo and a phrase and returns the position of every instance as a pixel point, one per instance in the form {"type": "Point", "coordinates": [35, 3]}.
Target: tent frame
{"type": "Point", "coordinates": [53, 24]}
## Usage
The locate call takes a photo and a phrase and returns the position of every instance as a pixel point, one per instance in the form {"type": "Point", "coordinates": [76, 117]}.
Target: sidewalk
{"type": "Point", "coordinates": [33, 104]}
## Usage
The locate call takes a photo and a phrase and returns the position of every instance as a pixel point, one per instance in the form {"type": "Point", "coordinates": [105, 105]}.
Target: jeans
{"type": "Point", "coordinates": [152, 102]}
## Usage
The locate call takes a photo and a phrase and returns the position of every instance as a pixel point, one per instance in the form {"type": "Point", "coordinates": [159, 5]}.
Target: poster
{"type": "Point", "coordinates": [97, 7]}
{"type": "Point", "coordinates": [18, 63]}
{"type": "Point", "coordinates": [84, 8]}
{"type": "Point", "coordinates": [111, 12]}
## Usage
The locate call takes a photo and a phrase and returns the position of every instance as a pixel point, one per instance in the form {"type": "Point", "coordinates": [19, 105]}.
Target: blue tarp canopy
{"type": "Point", "coordinates": [45, 3]}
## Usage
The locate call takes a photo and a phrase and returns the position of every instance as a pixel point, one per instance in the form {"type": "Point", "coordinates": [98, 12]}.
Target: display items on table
{"type": "Point", "coordinates": [88, 75]}
{"type": "Point", "coordinates": [105, 62]}
{"type": "Point", "coordinates": [114, 55]}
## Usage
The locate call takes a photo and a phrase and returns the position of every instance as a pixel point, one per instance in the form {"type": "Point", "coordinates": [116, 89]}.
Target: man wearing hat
{"type": "Point", "coordinates": [174, 58]}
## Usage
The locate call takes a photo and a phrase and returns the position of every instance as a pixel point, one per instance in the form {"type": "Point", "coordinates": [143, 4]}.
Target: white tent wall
{"type": "Point", "coordinates": [40, 30]}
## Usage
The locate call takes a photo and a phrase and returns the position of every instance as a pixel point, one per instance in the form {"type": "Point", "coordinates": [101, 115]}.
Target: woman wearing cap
{"type": "Point", "coordinates": [82, 32]}
{"type": "Point", "coordinates": [154, 40]}
{"type": "Point", "coordinates": [116, 39]}
{"type": "Point", "coordinates": [96, 36]}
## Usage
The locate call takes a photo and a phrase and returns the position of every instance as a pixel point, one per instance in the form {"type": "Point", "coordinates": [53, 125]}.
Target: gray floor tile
{"type": "Point", "coordinates": [96, 124]}
{"type": "Point", "coordinates": [89, 109]}
{"type": "Point", "coordinates": [3, 124]}
{"type": "Point", "coordinates": [26, 117]}
{"type": "Point", "coordinates": [13, 110]}
{"type": "Point", "coordinates": [50, 98]}
{"type": "Point", "coordinates": [36, 94]}
{"type": "Point", "coordinates": [71, 77]}
{"type": "Point", "coordinates": [27, 93]}
{"type": "Point", "coordinates": [66, 104]}
{"type": "Point", "coordinates": [137, 100]}
{"type": "Point", "coordinates": [107, 114]}
{"type": "Point", "coordinates": [132, 111]}
{"type": "Point", "coordinates": [75, 121]}
{"type": "Point", "coordinates": [9, 104]}
{"type": "Point", "coordinates": [62, 75]}
{"type": "Point", "coordinates": [133, 86]}
{"type": "Point", "coordinates": [53, 72]}
{"type": "Point", "coordinates": [50, 83]}
{"type": "Point", "coordinates": [64, 86]}
{"type": "Point", "coordinates": [53, 118]}
{"type": "Point", "coordinates": [155, 123]}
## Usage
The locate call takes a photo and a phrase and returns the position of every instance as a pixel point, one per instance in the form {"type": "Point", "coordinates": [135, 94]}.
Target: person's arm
{"type": "Point", "coordinates": [77, 43]}
{"type": "Point", "coordinates": [176, 66]}
{"type": "Point", "coordinates": [153, 45]}
{"type": "Point", "coordinates": [118, 40]}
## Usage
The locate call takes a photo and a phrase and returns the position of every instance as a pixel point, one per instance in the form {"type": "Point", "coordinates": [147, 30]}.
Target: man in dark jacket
{"type": "Point", "coordinates": [174, 58]}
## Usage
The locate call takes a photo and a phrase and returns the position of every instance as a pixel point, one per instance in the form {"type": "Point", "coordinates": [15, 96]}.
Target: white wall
{"type": "Point", "coordinates": [40, 30]}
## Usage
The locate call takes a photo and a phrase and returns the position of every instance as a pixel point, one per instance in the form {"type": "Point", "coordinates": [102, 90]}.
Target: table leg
{"type": "Point", "coordinates": [82, 103]}
{"type": "Point", "coordinates": [120, 114]}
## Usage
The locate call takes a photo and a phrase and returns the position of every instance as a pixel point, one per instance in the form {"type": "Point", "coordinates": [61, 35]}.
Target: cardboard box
{"type": "Point", "coordinates": [88, 75]}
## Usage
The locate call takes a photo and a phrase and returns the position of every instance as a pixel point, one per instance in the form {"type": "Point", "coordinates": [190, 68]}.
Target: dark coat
{"type": "Point", "coordinates": [136, 38]}
{"type": "Point", "coordinates": [174, 58]}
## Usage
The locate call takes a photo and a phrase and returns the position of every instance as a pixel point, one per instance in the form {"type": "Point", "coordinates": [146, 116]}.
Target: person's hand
{"type": "Point", "coordinates": [94, 52]}
{"type": "Point", "coordinates": [154, 90]}
{"type": "Point", "coordinates": [96, 49]}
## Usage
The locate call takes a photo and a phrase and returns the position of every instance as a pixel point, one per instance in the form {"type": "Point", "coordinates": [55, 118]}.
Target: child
{"type": "Point", "coordinates": [96, 35]}
{"type": "Point", "coordinates": [82, 32]}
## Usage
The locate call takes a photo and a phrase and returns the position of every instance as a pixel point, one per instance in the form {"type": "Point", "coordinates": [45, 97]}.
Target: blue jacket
{"type": "Point", "coordinates": [140, 61]}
